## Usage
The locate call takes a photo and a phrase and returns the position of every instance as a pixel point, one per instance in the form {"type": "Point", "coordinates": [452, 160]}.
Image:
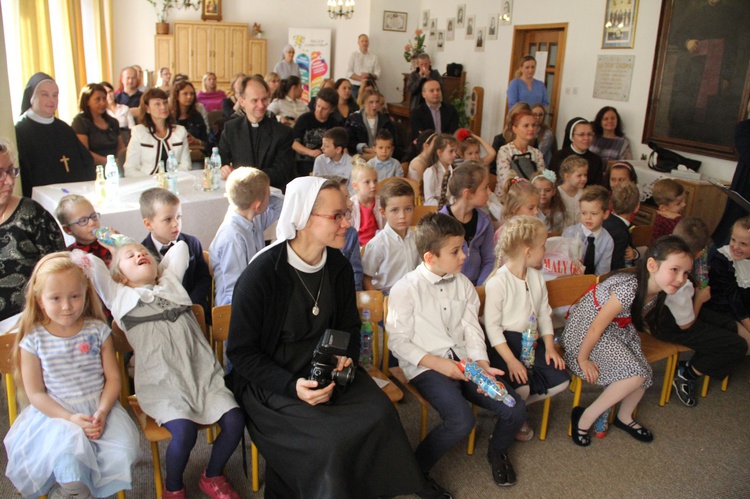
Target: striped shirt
{"type": "Point", "coordinates": [71, 367]}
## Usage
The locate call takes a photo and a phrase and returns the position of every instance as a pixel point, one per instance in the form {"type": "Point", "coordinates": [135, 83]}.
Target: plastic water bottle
{"type": "Point", "coordinates": [365, 348]}
{"type": "Point", "coordinates": [100, 184]}
{"type": "Point", "coordinates": [528, 343]}
{"type": "Point", "coordinates": [161, 175]}
{"type": "Point", "coordinates": [111, 179]}
{"type": "Point", "coordinates": [172, 173]}
{"type": "Point", "coordinates": [107, 236]}
{"type": "Point", "coordinates": [489, 385]}
{"type": "Point", "coordinates": [601, 425]}
{"type": "Point", "coordinates": [207, 181]}
{"type": "Point", "coordinates": [215, 169]}
{"type": "Point", "coordinates": [701, 270]}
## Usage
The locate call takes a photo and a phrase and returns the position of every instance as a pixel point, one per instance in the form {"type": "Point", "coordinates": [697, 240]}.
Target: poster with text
{"type": "Point", "coordinates": [312, 52]}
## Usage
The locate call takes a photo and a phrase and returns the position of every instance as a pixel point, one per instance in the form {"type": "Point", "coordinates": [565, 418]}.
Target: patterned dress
{"type": "Point", "coordinates": [618, 352]}
{"type": "Point", "coordinates": [42, 450]}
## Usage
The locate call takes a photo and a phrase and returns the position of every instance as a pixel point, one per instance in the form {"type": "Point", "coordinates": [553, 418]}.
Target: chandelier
{"type": "Point", "coordinates": [340, 9]}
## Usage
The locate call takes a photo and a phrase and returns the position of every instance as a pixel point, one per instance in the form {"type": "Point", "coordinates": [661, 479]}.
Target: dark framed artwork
{"type": "Point", "coordinates": [701, 77]}
{"type": "Point", "coordinates": [211, 10]}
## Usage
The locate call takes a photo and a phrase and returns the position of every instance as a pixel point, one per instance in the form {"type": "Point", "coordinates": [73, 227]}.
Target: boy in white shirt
{"type": "Point", "coordinates": [598, 245]}
{"type": "Point", "coordinates": [334, 160]}
{"type": "Point", "coordinates": [385, 164]}
{"type": "Point", "coordinates": [392, 252]}
{"type": "Point", "coordinates": [432, 323]}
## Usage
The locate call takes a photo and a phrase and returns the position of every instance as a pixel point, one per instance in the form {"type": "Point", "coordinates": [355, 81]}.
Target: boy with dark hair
{"type": "Point", "coordinates": [625, 204]}
{"type": "Point", "coordinates": [598, 245]}
{"type": "Point", "coordinates": [432, 323]}
{"type": "Point", "coordinates": [669, 197]}
{"type": "Point", "coordinates": [684, 320]}
{"type": "Point", "coordinates": [335, 160]}
{"type": "Point", "coordinates": [385, 164]}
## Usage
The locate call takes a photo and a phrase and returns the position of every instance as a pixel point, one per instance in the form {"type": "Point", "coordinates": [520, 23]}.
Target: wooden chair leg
{"type": "Point", "coordinates": [576, 399]}
{"type": "Point", "coordinates": [121, 494]}
{"type": "Point", "coordinates": [157, 469]}
{"type": "Point", "coordinates": [725, 384]}
{"type": "Point", "coordinates": [666, 387]}
{"type": "Point", "coordinates": [706, 380]}
{"type": "Point", "coordinates": [545, 419]}
{"type": "Point", "coordinates": [473, 434]}
{"type": "Point", "coordinates": [254, 464]}
{"type": "Point", "coordinates": [423, 426]}
{"type": "Point", "coordinates": [671, 368]}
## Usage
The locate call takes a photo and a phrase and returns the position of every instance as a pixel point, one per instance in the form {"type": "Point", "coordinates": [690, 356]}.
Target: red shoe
{"type": "Point", "coordinates": [180, 494]}
{"type": "Point", "coordinates": [217, 487]}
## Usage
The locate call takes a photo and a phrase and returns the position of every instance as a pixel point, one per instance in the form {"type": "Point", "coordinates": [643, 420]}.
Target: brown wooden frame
{"type": "Point", "coordinates": [664, 62]}
{"type": "Point", "coordinates": [211, 16]}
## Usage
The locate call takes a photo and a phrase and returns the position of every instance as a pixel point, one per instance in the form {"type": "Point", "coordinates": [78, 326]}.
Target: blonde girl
{"type": "Point", "coordinates": [516, 292]}
{"type": "Point", "coordinates": [177, 378]}
{"type": "Point", "coordinates": [470, 148]}
{"type": "Point", "coordinates": [435, 178]}
{"type": "Point", "coordinates": [518, 155]}
{"type": "Point", "coordinates": [423, 148]}
{"type": "Point", "coordinates": [74, 432]}
{"type": "Point", "coordinates": [551, 209]}
{"type": "Point", "coordinates": [518, 197]}
{"type": "Point", "coordinates": [601, 339]}
{"type": "Point", "coordinates": [573, 178]}
{"type": "Point", "coordinates": [469, 187]}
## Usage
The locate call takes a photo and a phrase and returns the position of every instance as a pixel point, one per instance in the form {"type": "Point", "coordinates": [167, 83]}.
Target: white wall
{"type": "Point", "coordinates": [490, 69]}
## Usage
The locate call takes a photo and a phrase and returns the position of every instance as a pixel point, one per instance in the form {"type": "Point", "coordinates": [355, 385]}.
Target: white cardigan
{"type": "Point", "coordinates": [142, 159]}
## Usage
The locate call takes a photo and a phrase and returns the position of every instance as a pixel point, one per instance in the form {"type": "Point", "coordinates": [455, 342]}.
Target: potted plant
{"type": "Point", "coordinates": [163, 7]}
{"type": "Point", "coordinates": [413, 49]}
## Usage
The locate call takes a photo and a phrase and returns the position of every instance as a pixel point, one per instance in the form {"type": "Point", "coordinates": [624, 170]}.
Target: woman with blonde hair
{"type": "Point", "coordinates": [211, 97]}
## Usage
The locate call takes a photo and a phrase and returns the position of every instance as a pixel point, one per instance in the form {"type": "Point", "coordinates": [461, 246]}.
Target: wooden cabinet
{"type": "Point", "coordinates": [199, 47]}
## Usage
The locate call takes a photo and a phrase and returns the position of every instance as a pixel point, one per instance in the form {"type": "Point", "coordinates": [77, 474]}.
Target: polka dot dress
{"type": "Point", "coordinates": [618, 352]}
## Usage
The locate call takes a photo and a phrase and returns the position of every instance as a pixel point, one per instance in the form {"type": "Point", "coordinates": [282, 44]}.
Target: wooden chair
{"type": "Point", "coordinates": [413, 183]}
{"type": "Point", "coordinates": [641, 235]}
{"type": "Point", "coordinates": [7, 342]}
{"type": "Point", "coordinates": [152, 431]}
{"type": "Point", "coordinates": [707, 379]}
{"type": "Point", "coordinates": [398, 374]}
{"type": "Point", "coordinates": [207, 258]}
{"type": "Point", "coordinates": [421, 210]}
{"type": "Point", "coordinates": [493, 182]}
{"type": "Point", "coordinates": [220, 324]}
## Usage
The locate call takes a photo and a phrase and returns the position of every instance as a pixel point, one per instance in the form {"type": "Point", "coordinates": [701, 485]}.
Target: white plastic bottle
{"type": "Point", "coordinates": [172, 173]}
{"type": "Point", "coordinates": [215, 169]}
{"type": "Point", "coordinates": [112, 179]}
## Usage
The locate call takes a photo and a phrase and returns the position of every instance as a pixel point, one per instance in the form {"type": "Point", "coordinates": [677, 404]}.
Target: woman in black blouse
{"type": "Point", "coordinates": [182, 106]}
{"type": "Point", "coordinates": [96, 129]}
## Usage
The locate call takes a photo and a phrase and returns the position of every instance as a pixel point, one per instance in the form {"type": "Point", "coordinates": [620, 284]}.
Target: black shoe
{"type": "Point", "coordinates": [641, 434]}
{"type": "Point", "coordinates": [433, 490]}
{"type": "Point", "coordinates": [502, 470]}
{"type": "Point", "coordinates": [580, 437]}
{"type": "Point", "coordinates": [684, 387]}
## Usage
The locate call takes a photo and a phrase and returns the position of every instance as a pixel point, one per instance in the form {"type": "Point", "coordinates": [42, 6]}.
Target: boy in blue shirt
{"type": "Point", "coordinates": [598, 245]}
{"type": "Point", "coordinates": [385, 164]}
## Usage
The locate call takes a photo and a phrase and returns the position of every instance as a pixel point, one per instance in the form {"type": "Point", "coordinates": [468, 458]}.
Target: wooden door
{"type": "Point", "coordinates": [237, 51]}
{"type": "Point", "coordinates": [183, 48]}
{"type": "Point", "coordinates": [219, 55]}
{"type": "Point", "coordinates": [257, 63]}
{"type": "Point", "coordinates": [550, 38]}
{"type": "Point", "coordinates": [164, 52]}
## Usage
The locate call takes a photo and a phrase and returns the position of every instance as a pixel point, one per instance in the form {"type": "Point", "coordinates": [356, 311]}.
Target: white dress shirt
{"type": "Point", "coordinates": [433, 315]}
{"type": "Point", "coordinates": [362, 63]}
{"type": "Point", "coordinates": [432, 180]}
{"type": "Point", "coordinates": [388, 257]}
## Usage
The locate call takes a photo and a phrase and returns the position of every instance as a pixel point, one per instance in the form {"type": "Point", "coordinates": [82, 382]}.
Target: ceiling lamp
{"type": "Point", "coordinates": [340, 9]}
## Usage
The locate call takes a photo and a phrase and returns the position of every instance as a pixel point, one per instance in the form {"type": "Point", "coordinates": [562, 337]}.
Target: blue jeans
{"type": "Point", "coordinates": [448, 397]}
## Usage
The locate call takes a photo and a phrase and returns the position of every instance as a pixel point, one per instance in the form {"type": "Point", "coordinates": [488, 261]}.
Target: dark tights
{"type": "Point", "coordinates": [184, 433]}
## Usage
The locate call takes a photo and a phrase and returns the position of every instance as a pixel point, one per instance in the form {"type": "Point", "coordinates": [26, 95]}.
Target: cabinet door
{"type": "Point", "coordinates": [163, 53]}
{"type": "Point", "coordinates": [183, 48]}
{"type": "Point", "coordinates": [219, 55]}
{"type": "Point", "coordinates": [238, 51]}
{"type": "Point", "coordinates": [203, 45]}
{"type": "Point", "coordinates": [257, 63]}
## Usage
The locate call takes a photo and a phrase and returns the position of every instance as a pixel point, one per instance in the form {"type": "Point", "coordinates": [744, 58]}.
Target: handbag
{"type": "Point", "coordinates": [523, 165]}
{"type": "Point", "coordinates": [454, 69]}
{"type": "Point", "coordinates": [664, 160]}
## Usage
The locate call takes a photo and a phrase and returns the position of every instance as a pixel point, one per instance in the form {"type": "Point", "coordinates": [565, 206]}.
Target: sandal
{"type": "Point", "coordinates": [580, 437]}
{"type": "Point", "coordinates": [641, 434]}
{"type": "Point", "coordinates": [525, 434]}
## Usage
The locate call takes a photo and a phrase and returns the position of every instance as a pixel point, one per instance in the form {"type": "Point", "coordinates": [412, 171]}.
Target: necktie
{"type": "Point", "coordinates": [588, 258]}
{"type": "Point", "coordinates": [165, 248]}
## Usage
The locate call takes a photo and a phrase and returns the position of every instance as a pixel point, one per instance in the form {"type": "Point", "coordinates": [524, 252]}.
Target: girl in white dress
{"type": "Point", "coordinates": [178, 381]}
{"type": "Point", "coordinates": [74, 432]}
{"type": "Point", "coordinates": [573, 178]}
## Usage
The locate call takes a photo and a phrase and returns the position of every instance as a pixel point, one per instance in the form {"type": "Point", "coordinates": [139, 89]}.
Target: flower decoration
{"type": "Point", "coordinates": [84, 348]}
{"type": "Point", "coordinates": [462, 134]}
{"type": "Point", "coordinates": [257, 29]}
{"type": "Point", "coordinates": [413, 49]}
{"type": "Point", "coordinates": [83, 260]}
{"type": "Point", "coordinates": [89, 345]}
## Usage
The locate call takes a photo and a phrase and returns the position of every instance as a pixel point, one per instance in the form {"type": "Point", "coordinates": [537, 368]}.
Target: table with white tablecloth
{"type": "Point", "coordinates": [202, 212]}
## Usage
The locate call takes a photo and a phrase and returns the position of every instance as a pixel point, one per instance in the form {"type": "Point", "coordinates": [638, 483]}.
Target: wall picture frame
{"type": "Point", "coordinates": [461, 16]}
{"type": "Point", "coordinates": [450, 30]}
{"type": "Point", "coordinates": [506, 16]}
{"type": "Point", "coordinates": [471, 27]}
{"type": "Point", "coordinates": [425, 19]}
{"type": "Point", "coordinates": [211, 10]}
{"type": "Point", "coordinates": [620, 17]}
{"type": "Point", "coordinates": [394, 21]}
{"type": "Point", "coordinates": [700, 86]}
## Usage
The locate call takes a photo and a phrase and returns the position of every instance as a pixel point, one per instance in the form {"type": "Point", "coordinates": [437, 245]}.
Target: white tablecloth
{"type": "Point", "coordinates": [202, 212]}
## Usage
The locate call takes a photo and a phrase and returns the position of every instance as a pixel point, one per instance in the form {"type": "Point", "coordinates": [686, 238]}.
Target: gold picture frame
{"type": "Point", "coordinates": [211, 10]}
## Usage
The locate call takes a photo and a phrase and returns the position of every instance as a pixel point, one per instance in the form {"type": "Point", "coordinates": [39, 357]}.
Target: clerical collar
{"type": "Point", "coordinates": [39, 119]}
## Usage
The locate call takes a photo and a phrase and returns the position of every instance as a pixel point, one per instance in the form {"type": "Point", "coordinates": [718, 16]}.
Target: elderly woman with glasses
{"type": "Point", "coordinates": [27, 233]}
{"type": "Point", "coordinates": [318, 440]}
{"type": "Point", "coordinates": [579, 134]}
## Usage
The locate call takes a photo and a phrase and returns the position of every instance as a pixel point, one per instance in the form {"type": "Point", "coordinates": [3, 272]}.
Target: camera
{"type": "Point", "coordinates": [324, 360]}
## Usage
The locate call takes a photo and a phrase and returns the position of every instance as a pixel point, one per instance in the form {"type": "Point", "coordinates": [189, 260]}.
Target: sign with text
{"type": "Point", "coordinates": [613, 76]}
{"type": "Point", "coordinates": [312, 52]}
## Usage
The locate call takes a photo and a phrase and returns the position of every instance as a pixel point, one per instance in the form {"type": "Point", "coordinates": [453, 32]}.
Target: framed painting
{"type": "Point", "coordinates": [211, 10]}
{"type": "Point", "coordinates": [700, 85]}
{"type": "Point", "coordinates": [394, 21]}
{"type": "Point", "coordinates": [619, 24]}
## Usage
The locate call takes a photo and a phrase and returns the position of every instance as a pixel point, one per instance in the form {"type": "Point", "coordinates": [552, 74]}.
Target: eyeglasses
{"type": "Point", "coordinates": [84, 221]}
{"type": "Point", "coordinates": [11, 172]}
{"type": "Point", "coordinates": [338, 217]}
{"type": "Point", "coordinates": [537, 115]}
{"type": "Point", "coordinates": [583, 134]}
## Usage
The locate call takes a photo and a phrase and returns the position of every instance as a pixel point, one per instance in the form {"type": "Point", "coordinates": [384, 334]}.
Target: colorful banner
{"type": "Point", "coordinates": [313, 55]}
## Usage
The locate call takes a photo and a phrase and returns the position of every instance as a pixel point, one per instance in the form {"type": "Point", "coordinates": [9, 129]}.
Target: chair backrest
{"type": "Point", "coordinates": [641, 235]}
{"type": "Point", "coordinates": [7, 341]}
{"type": "Point", "coordinates": [482, 297]}
{"type": "Point", "coordinates": [220, 322]}
{"type": "Point", "coordinates": [413, 183]}
{"type": "Point", "coordinates": [565, 291]}
{"type": "Point", "coordinates": [421, 211]}
{"type": "Point", "coordinates": [200, 317]}
{"type": "Point", "coordinates": [212, 293]}
{"type": "Point", "coordinates": [207, 258]}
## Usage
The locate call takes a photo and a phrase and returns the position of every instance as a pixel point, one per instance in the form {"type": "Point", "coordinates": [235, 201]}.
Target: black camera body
{"type": "Point", "coordinates": [324, 361]}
